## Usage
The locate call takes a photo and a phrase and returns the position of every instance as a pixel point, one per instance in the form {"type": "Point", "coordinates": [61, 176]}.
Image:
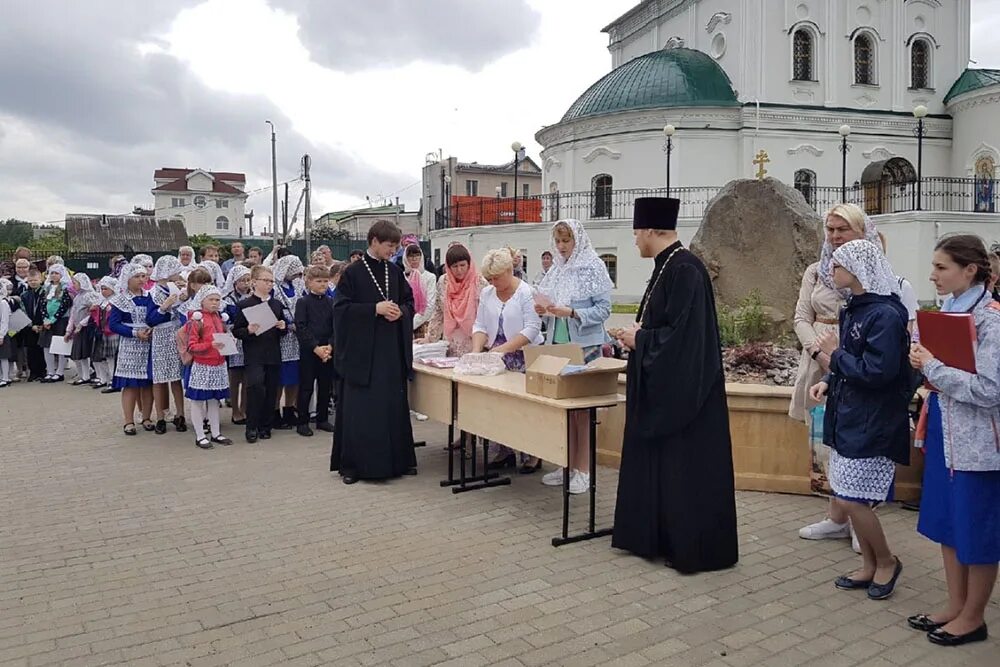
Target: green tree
{"type": "Point", "coordinates": [14, 232]}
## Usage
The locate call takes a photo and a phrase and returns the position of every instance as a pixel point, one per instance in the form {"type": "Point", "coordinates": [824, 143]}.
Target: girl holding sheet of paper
{"type": "Point", "coordinates": [55, 319]}
{"type": "Point", "coordinates": [167, 367]}
{"type": "Point", "coordinates": [8, 351]}
{"type": "Point", "coordinates": [209, 381]}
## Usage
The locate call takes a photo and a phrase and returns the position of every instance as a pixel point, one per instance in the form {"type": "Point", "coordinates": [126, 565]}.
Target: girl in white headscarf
{"type": "Point", "coordinates": [867, 420]}
{"type": "Point", "coordinates": [288, 288]}
{"type": "Point", "coordinates": [105, 340]}
{"type": "Point", "coordinates": [146, 262]}
{"type": "Point", "coordinates": [237, 288]}
{"type": "Point", "coordinates": [133, 314]}
{"type": "Point", "coordinates": [55, 320]}
{"type": "Point", "coordinates": [218, 277]}
{"type": "Point", "coordinates": [209, 381]}
{"type": "Point", "coordinates": [167, 368]}
{"type": "Point", "coordinates": [8, 351]}
{"type": "Point", "coordinates": [79, 329]}
{"type": "Point", "coordinates": [574, 298]}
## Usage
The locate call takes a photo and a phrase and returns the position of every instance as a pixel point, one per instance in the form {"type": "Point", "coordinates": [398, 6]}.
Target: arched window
{"type": "Point", "coordinates": [601, 186]}
{"type": "Point", "coordinates": [222, 223]}
{"type": "Point", "coordinates": [805, 182]}
{"type": "Point", "coordinates": [920, 60]}
{"type": "Point", "coordinates": [611, 262]}
{"type": "Point", "coordinates": [864, 59]}
{"type": "Point", "coordinates": [802, 56]}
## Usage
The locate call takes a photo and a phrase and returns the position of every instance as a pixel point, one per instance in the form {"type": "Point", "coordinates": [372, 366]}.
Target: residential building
{"type": "Point", "coordinates": [355, 222]}
{"type": "Point", "coordinates": [205, 202]}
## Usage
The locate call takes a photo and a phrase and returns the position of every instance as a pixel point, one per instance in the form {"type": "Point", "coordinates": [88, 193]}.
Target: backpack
{"type": "Point", "coordinates": [182, 343]}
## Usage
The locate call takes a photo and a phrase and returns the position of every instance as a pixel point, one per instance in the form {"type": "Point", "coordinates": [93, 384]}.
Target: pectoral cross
{"type": "Point", "coordinates": [760, 161]}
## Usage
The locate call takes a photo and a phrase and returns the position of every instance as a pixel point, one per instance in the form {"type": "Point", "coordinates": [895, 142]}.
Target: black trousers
{"type": "Point", "coordinates": [312, 370]}
{"type": "Point", "coordinates": [262, 383]}
{"type": "Point", "coordinates": [35, 356]}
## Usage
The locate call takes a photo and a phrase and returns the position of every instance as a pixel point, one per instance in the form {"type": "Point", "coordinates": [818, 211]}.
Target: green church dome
{"type": "Point", "coordinates": [668, 78]}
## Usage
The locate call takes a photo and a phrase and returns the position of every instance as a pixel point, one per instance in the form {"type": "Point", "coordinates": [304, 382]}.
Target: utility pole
{"type": "Point", "coordinates": [249, 217]}
{"type": "Point", "coordinates": [306, 163]}
{"type": "Point", "coordinates": [284, 216]}
{"type": "Point", "coordinates": [274, 185]}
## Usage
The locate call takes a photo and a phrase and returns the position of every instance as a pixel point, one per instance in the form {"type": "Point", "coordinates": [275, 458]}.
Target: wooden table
{"type": "Point", "coordinates": [497, 408]}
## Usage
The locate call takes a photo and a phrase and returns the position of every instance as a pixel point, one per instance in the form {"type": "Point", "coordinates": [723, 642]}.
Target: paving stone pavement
{"type": "Point", "coordinates": [148, 551]}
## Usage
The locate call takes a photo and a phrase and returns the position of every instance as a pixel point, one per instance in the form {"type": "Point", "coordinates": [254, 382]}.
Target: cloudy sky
{"type": "Point", "coordinates": [95, 95]}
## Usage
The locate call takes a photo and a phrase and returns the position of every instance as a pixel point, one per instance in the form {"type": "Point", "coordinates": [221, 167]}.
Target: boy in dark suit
{"type": "Point", "coordinates": [314, 327]}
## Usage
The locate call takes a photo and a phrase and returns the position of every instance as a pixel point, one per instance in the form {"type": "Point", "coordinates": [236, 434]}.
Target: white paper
{"type": "Point", "coordinates": [18, 321]}
{"type": "Point", "coordinates": [229, 343]}
{"type": "Point", "coordinates": [61, 346]}
{"type": "Point", "coordinates": [541, 298]}
{"type": "Point", "coordinates": [172, 288]}
{"type": "Point", "coordinates": [261, 315]}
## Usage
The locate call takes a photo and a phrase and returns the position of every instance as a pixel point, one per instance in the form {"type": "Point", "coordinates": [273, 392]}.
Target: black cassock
{"type": "Point", "coordinates": [372, 436]}
{"type": "Point", "coordinates": [676, 497]}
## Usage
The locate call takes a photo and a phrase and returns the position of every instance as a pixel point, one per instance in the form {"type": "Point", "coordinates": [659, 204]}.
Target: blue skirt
{"type": "Point", "coordinates": [289, 373]}
{"type": "Point", "coordinates": [118, 382]}
{"type": "Point", "coordinates": [960, 510]}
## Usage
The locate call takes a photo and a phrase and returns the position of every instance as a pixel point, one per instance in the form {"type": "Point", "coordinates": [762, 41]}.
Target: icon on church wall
{"type": "Point", "coordinates": [985, 183]}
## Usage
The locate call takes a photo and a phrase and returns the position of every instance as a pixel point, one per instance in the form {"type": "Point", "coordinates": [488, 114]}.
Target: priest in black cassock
{"type": "Point", "coordinates": [373, 353]}
{"type": "Point", "coordinates": [676, 497]}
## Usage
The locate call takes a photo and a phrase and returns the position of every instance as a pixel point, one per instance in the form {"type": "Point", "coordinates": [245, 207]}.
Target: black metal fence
{"type": "Point", "coordinates": [951, 195]}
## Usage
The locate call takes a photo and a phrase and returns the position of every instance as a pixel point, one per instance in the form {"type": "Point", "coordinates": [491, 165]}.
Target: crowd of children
{"type": "Point", "coordinates": [147, 331]}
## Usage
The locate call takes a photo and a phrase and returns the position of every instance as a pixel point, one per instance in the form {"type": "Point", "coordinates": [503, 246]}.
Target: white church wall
{"type": "Point", "coordinates": [976, 130]}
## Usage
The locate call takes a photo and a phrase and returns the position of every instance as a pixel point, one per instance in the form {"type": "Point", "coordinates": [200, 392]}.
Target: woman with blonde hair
{"type": "Point", "coordinates": [506, 322]}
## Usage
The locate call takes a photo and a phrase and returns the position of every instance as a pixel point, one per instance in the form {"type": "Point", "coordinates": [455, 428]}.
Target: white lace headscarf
{"type": "Point", "coordinates": [580, 276]}
{"type": "Point", "coordinates": [6, 287]}
{"type": "Point", "coordinates": [166, 266]}
{"type": "Point", "coordinates": [866, 262]}
{"type": "Point", "coordinates": [123, 300]}
{"type": "Point", "coordinates": [109, 282]}
{"type": "Point", "coordinates": [289, 265]}
{"type": "Point", "coordinates": [88, 295]}
{"type": "Point", "coordinates": [218, 277]}
{"type": "Point", "coordinates": [64, 279]}
{"type": "Point", "coordinates": [200, 296]}
{"type": "Point", "coordinates": [143, 260]}
{"type": "Point", "coordinates": [235, 274]}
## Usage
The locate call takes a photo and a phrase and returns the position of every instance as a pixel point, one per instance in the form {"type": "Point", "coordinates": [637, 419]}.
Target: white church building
{"type": "Point", "coordinates": [784, 86]}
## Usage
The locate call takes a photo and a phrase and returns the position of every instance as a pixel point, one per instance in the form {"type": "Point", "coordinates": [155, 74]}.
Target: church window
{"type": "Point", "coordinates": [802, 55]}
{"type": "Point", "coordinates": [920, 64]}
{"type": "Point", "coordinates": [222, 223]}
{"type": "Point", "coordinates": [805, 182]}
{"type": "Point", "coordinates": [864, 60]}
{"type": "Point", "coordinates": [611, 262]}
{"type": "Point", "coordinates": [601, 185]}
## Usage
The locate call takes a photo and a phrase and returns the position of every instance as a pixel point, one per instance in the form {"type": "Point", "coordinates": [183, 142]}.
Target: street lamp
{"type": "Point", "coordinates": [274, 184]}
{"type": "Point", "coordinates": [845, 131]}
{"type": "Point", "coordinates": [517, 148]}
{"type": "Point", "coordinates": [668, 132]}
{"type": "Point", "coordinates": [498, 190]}
{"type": "Point", "coordinates": [919, 113]}
{"type": "Point", "coordinates": [447, 202]}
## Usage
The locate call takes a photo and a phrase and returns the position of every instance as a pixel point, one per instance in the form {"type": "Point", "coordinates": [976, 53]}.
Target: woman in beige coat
{"type": "Point", "coordinates": [816, 313]}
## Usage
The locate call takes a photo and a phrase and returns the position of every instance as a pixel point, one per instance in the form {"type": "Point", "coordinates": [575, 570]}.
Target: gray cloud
{"type": "Point", "coordinates": [103, 117]}
{"type": "Point", "coordinates": [351, 35]}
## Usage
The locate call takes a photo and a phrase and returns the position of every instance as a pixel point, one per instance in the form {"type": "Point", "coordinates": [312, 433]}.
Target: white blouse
{"type": "Point", "coordinates": [519, 316]}
{"type": "Point", "coordinates": [428, 281]}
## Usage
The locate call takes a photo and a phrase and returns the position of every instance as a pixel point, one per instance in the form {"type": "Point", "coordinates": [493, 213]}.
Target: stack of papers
{"type": "Point", "coordinates": [430, 350]}
{"type": "Point", "coordinates": [440, 362]}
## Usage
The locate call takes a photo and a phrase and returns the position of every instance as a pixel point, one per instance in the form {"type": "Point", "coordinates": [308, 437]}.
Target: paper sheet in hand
{"type": "Point", "coordinates": [18, 321]}
{"type": "Point", "coordinates": [172, 288]}
{"type": "Point", "coordinates": [61, 346]}
{"type": "Point", "coordinates": [541, 299]}
{"type": "Point", "coordinates": [229, 343]}
{"type": "Point", "coordinates": [261, 315]}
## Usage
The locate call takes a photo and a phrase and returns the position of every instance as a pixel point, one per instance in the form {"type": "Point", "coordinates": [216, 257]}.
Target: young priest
{"type": "Point", "coordinates": [314, 327]}
{"type": "Point", "coordinates": [373, 352]}
{"type": "Point", "coordinates": [262, 355]}
{"type": "Point", "coordinates": [677, 445]}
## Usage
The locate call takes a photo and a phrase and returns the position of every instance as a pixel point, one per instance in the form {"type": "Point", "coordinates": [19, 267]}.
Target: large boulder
{"type": "Point", "coordinates": [759, 235]}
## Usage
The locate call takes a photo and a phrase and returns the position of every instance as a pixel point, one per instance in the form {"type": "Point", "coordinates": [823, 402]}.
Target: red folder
{"type": "Point", "coordinates": [951, 338]}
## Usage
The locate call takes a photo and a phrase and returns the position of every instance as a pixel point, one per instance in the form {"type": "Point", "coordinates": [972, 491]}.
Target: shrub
{"type": "Point", "coordinates": [745, 323]}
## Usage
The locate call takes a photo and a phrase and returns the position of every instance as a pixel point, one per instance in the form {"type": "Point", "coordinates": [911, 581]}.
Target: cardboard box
{"type": "Point", "coordinates": [545, 363]}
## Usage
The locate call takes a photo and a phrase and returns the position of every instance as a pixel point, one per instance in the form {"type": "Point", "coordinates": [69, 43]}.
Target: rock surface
{"type": "Point", "coordinates": [759, 235]}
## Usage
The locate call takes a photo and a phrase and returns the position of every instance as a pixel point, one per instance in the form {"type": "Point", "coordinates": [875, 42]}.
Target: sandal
{"type": "Point", "coordinates": [180, 424]}
{"type": "Point", "coordinates": [129, 429]}
{"type": "Point", "coordinates": [203, 443]}
{"type": "Point", "coordinates": [148, 425]}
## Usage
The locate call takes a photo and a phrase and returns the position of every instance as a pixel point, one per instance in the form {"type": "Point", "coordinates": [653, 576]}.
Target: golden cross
{"type": "Point", "coordinates": [760, 161]}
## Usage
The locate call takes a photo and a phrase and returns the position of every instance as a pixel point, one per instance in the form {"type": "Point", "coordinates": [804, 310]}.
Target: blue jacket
{"type": "Point", "coordinates": [866, 411]}
{"type": "Point", "coordinates": [587, 328]}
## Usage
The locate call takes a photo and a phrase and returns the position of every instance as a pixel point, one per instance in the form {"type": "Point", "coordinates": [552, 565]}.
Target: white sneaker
{"type": "Point", "coordinates": [420, 417]}
{"type": "Point", "coordinates": [854, 541]}
{"type": "Point", "coordinates": [554, 478]}
{"type": "Point", "coordinates": [827, 529]}
{"type": "Point", "coordinates": [579, 482]}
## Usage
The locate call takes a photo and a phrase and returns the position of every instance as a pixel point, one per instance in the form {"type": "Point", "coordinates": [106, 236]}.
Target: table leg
{"type": "Point", "coordinates": [591, 532]}
{"type": "Point", "coordinates": [451, 458]}
{"type": "Point", "coordinates": [487, 479]}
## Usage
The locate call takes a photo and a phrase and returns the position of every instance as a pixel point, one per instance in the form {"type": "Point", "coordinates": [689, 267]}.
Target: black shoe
{"type": "Point", "coordinates": [290, 416]}
{"type": "Point", "coordinates": [99, 385]}
{"type": "Point", "coordinates": [304, 430]}
{"type": "Point", "coordinates": [349, 480]}
{"type": "Point", "coordinates": [278, 423]}
{"type": "Point", "coordinates": [845, 583]}
{"type": "Point", "coordinates": [110, 390]}
{"type": "Point", "coordinates": [203, 443]}
{"type": "Point", "coordinates": [58, 378]}
{"type": "Point", "coordinates": [265, 434]}
{"type": "Point", "coordinates": [509, 461]}
{"type": "Point", "coordinates": [529, 468]}
{"type": "Point", "coordinates": [324, 426]}
{"type": "Point", "coordinates": [923, 623]}
{"type": "Point", "coordinates": [410, 471]}
{"type": "Point", "coordinates": [942, 638]}
{"type": "Point", "coordinates": [251, 435]}
{"type": "Point", "coordinates": [79, 382]}
{"type": "Point", "coordinates": [161, 427]}
{"type": "Point", "coordinates": [884, 591]}
{"type": "Point", "coordinates": [239, 422]}
{"type": "Point", "coordinates": [180, 424]}
{"type": "Point", "coordinates": [221, 440]}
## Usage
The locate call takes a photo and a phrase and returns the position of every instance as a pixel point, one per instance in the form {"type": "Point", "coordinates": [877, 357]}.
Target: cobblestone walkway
{"type": "Point", "coordinates": [148, 551]}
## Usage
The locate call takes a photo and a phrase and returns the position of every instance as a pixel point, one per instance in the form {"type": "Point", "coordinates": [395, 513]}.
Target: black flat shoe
{"type": "Point", "coordinates": [265, 434]}
{"type": "Point", "coordinates": [923, 623]}
{"type": "Point", "coordinates": [884, 591]}
{"type": "Point", "coordinates": [110, 390]}
{"type": "Point", "coordinates": [325, 426]}
{"type": "Point", "coordinates": [79, 382]}
{"type": "Point", "coordinates": [529, 468]}
{"type": "Point", "coordinates": [161, 427]}
{"type": "Point", "coordinates": [99, 385]}
{"type": "Point", "coordinates": [129, 429]}
{"type": "Point", "coordinates": [251, 435]}
{"type": "Point", "coordinates": [239, 422]}
{"type": "Point", "coordinates": [221, 440]}
{"type": "Point", "coordinates": [942, 638]}
{"type": "Point", "coordinates": [203, 443]}
{"type": "Point", "coordinates": [304, 430]}
{"type": "Point", "coordinates": [180, 424]}
{"type": "Point", "coordinates": [347, 479]}
{"type": "Point", "coordinates": [410, 471]}
{"type": "Point", "coordinates": [509, 461]}
{"type": "Point", "coordinates": [845, 583]}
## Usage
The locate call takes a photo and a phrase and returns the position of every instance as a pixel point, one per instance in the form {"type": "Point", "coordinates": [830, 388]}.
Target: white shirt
{"type": "Point", "coordinates": [519, 316]}
{"type": "Point", "coordinates": [909, 298]}
{"type": "Point", "coordinates": [428, 281]}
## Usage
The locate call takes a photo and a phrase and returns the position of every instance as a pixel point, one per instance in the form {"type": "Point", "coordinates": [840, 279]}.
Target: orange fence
{"type": "Point", "coordinates": [476, 211]}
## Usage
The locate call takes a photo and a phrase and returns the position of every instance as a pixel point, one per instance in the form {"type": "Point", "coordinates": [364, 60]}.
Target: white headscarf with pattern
{"type": "Point", "coordinates": [218, 277]}
{"type": "Point", "coordinates": [580, 276]}
{"type": "Point", "coordinates": [866, 262]}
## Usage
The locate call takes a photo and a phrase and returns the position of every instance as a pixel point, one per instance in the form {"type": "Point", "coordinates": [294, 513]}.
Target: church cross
{"type": "Point", "coordinates": [760, 161]}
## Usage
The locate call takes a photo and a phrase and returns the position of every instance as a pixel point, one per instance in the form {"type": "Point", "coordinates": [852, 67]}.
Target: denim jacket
{"type": "Point", "coordinates": [587, 328]}
{"type": "Point", "coordinates": [970, 403]}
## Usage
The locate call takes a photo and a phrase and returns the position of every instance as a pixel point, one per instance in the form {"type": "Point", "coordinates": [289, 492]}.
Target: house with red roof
{"type": "Point", "coordinates": [206, 202]}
